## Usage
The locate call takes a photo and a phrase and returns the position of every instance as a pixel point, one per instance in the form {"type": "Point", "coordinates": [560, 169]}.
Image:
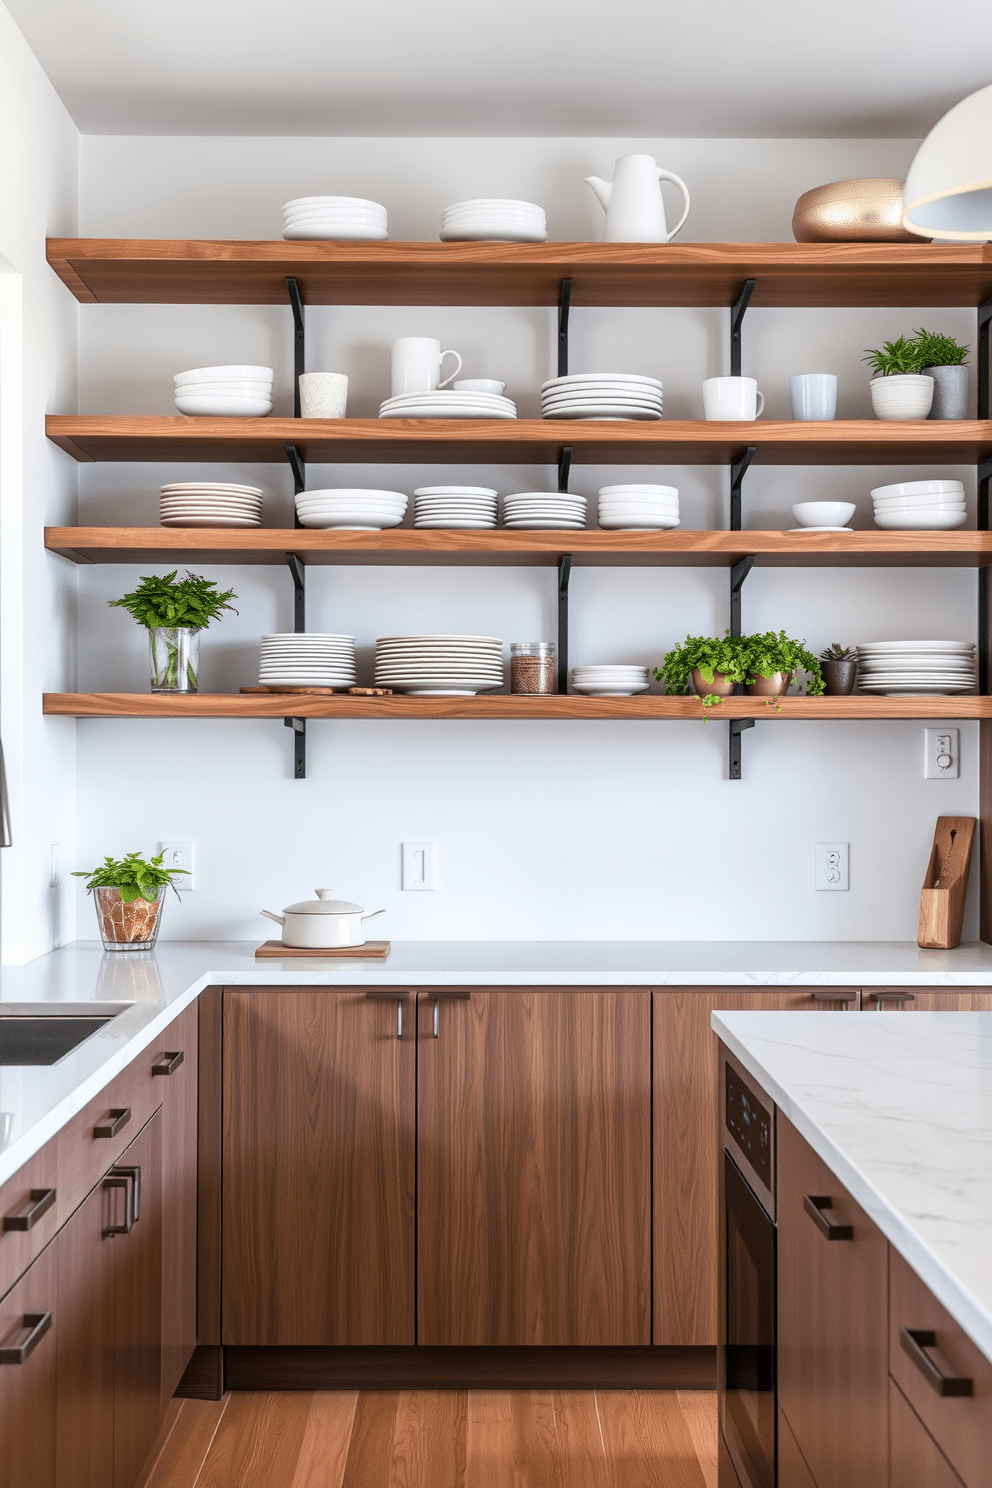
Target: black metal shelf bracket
{"type": "Point", "coordinates": [984, 318]}
{"type": "Point", "coordinates": [737, 727]}
{"type": "Point", "coordinates": [298, 725]}
{"type": "Point", "coordinates": [564, 304]}
{"type": "Point", "coordinates": [738, 470]}
{"type": "Point", "coordinates": [738, 574]}
{"type": "Point", "coordinates": [564, 466]}
{"type": "Point", "coordinates": [299, 468]}
{"type": "Point", "coordinates": [564, 574]}
{"type": "Point", "coordinates": [299, 341]}
{"type": "Point", "coordinates": [737, 311]}
{"type": "Point", "coordinates": [984, 473]}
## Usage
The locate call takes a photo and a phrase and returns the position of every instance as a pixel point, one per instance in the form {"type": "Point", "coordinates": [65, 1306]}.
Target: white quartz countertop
{"type": "Point", "coordinates": [899, 1107]}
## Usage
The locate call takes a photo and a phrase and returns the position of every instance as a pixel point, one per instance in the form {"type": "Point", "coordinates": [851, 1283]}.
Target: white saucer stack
{"type": "Point", "coordinates": [917, 668]}
{"type": "Point", "coordinates": [601, 395]}
{"type": "Point", "coordinates": [210, 504]}
{"type": "Point", "coordinates": [638, 508]}
{"type": "Point", "coordinates": [454, 506]}
{"type": "Point", "coordinates": [540, 510]}
{"type": "Point", "coordinates": [610, 681]}
{"type": "Point", "coordinates": [439, 665]}
{"type": "Point", "coordinates": [225, 392]}
{"type": "Point", "coordinates": [493, 219]}
{"type": "Point", "coordinates": [307, 660]}
{"type": "Point", "coordinates": [920, 506]}
{"type": "Point", "coordinates": [357, 510]}
{"type": "Point", "coordinates": [347, 218]}
{"type": "Point", "coordinates": [448, 403]}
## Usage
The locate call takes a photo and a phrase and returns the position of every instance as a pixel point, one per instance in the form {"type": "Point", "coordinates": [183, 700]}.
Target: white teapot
{"type": "Point", "coordinates": [635, 212]}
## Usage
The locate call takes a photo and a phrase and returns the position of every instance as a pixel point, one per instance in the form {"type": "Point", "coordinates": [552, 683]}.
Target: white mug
{"type": "Point", "coordinates": [480, 385]}
{"type": "Point", "coordinates": [813, 395]}
{"type": "Point", "coordinates": [417, 365]}
{"type": "Point", "coordinates": [323, 394]}
{"type": "Point", "coordinates": [732, 398]}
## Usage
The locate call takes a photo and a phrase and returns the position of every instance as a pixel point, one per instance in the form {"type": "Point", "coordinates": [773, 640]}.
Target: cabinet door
{"type": "Point", "coordinates": [925, 1000]}
{"type": "Point", "coordinates": [319, 1132]}
{"type": "Point", "coordinates": [27, 1387]}
{"type": "Point", "coordinates": [534, 1169]}
{"type": "Point", "coordinates": [179, 1170]}
{"type": "Point", "coordinates": [916, 1459]}
{"type": "Point", "coordinates": [686, 1060]}
{"type": "Point", "coordinates": [138, 1310]}
{"type": "Point", "coordinates": [832, 1321]}
{"type": "Point", "coordinates": [85, 1252]}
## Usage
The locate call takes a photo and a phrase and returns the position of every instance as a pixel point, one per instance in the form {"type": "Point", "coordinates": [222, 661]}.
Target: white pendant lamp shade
{"type": "Point", "coordinates": [948, 192]}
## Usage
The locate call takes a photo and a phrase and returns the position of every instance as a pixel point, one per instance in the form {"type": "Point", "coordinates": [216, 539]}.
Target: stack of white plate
{"type": "Point", "coordinates": [308, 660]}
{"type": "Point", "coordinates": [493, 219]}
{"type": "Point", "coordinates": [439, 665]}
{"type": "Point", "coordinates": [610, 681]}
{"type": "Point", "coordinates": [225, 392]}
{"type": "Point", "coordinates": [545, 510]}
{"type": "Point", "coordinates": [348, 218]}
{"type": "Point", "coordinates": [210, 504]}
{"type": "Point", "coordinates": [454, 506]}
{"type": "Point", "coordinates": [639, 508]}
{"type": "Point", "coordinates": [447, 403]}
{"type": "Point", "coordinates": [915, 668]}
{"type": "Point", "coordinates": [910, 506]}
{"type": "Point", "coordinates": [601, 395]}
{"type": "Point", "coordinates": [358, 510]}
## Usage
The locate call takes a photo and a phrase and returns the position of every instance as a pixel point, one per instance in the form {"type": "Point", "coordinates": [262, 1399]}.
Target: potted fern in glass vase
{"type": "Point", "coordinates": [174, 611]}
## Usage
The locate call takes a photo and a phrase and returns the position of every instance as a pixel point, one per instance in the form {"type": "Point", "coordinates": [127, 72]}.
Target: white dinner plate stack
{"type": "Point", "coordinates": [493, 219]}
{"type": "Point", "coordinates": [224, 392]}
{"type": "Point", "coordinates": [347, 218]}
{"type": "Point", "coordinates": [307, 660]}
{"type": "Point", "coordinates": [454, 506]}
{"type": "Point", "coordinates": [920, 506]}
{"type": "Point", "coordinates": [540, 510]}
{"type": "Point", "coordinates": [610, 681]}
{"type": "Point", "coordinates": [601, 395]}
{"type": "Point", "coordinates": [210, 504]}
{"type": "Point", "coordinates": [639, 508]}
{"type": "Point", "coordinates": [439, 665]}
{"type": "Point", "coordinates": [447, 403]}
{"type": "Point", "coordinates": [917, 668]}
{"type": "Point", "coordinates": [357, 510]}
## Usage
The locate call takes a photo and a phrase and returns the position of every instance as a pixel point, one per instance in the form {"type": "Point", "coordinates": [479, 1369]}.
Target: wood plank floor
{"type": "Point", "coordinates": [439, 1439]}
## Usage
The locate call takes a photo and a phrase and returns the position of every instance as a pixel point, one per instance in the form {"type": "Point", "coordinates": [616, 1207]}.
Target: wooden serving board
{"type": "Point", "coordinates": [320, 690]}
{"type": "Point", "coordinates": [372, 950]}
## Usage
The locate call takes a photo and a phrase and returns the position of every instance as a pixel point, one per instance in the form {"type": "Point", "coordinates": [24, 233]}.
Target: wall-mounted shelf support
{"type": "Point", "coordinates": [738, 470]}
{"type": "Point", "coordinates": [737, 311]}
{"type": "Point", "coordinates": [984, 319]}
{"type": "Point", "coordinates": [299, 341]}
{"type": "Point", "coordinates": [564, 466]}
{"type": "Point", "coordinates": [298, 466]}
{"type": "Point", "coordinates": [298, 725]}
{"type": "Point", "coordinates": [737, 727]}
{"type": "Point", "coordinates": [738, 574]}
{"type": "Point", "coordinates": [564, 303]}
{"type": "Point", "coordinates": [564, 574]}
{"type": "Point", "coordinates": [984, 576]}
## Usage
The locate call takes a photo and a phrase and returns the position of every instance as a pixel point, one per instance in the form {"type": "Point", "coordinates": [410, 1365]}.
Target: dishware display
{"type": "Point", "coordinates": [210, 504]}
{"type": "Point", "coordinates": [632, 201]}
{"type": "Point", "coordinates": [352, 509]}
{"type": "Point", "coordinates": [813, 396]}
{"type": "Point", "coordinates": [532, 668]}
{"type": "Point", "coordinates": [454, 506]}
{"type": "Point", "coordinates": [415, 363]}
{"type": "Point", "coordinates": [493, 219]}
{"type": "Point", "coordinates": [307, 659]}
{"type": "Point", "coordinates": [544, 511]}
{"type": "Point", "coordinates": [224, 392]}
{"type": "Point", "coordinates": [917, 668]}
{"type": "Point", "coordinates": [611, 680]}
{"type": "Point", "coordinates": [322, 924]}
{"type": "Point", "coordinates": [908, 506]}
{"type": "Point", "coordinates": [908, 395]}
{"type": "Point", "coordinates": [601, 395]}
{"type": "Point", "coordinates": [480, 385]}
{"type": "Point", "coordinates": [349, 218]}
{"type": "Point", "coordinates": [638, 507]}
{"type": "Point", "coordinates": [446, 403]}
{"type": "Point", "coordinates": [732, 398]}
{"type": "Point", "coordinates": [323, 394]}
{"type": "Point", "coordinates": [860, 211]}
{"type": "Point", "coordinates": [439, 665]}
{"type": "Point", "coordinates": [824, 516]}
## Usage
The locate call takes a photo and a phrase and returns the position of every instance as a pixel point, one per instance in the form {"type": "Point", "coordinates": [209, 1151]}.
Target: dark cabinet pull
{"type": "Point", "coordinates": [39, 1323]}
{"type": "Point", "coordinates": [121, 1181]}
{"type": "Point", "coordinates": [169, 1064]}
{"type": "Point", "coordinates": [42, 1200]}
{"type": "Point", "coordinates": [113, 1122]}
{"type": "Point", "coordinates": [832, 996]}
{"type": "Point", "coordinates": [814, 1204]}
{"type": "Point", "coordinates": [916, 1341]}
{"type": "Point", "coordinates": [135, 1176]}
{"type": "Point", "coordinates": [399, 998]}
{"type": "Point", "coordinates": [881, 997]}
{"type": "Point", "coordinates": [458, 996]}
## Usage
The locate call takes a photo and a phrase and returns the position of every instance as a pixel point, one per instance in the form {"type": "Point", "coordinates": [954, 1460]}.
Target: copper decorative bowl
{"type": "Point", "coordinates": [865, 211]}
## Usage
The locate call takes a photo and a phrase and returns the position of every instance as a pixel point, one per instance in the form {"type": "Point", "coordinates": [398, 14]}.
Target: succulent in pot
{"type": "Point", "coordinates": [765, 664]}
{"type": "Point", "coordinates": [899, 390]}
{"type": "Point", "coordinates": [942, 358]}
{"type": "Point", "coordinates": [174, 611]}
{"type": "Point", "coordinates": [128, 894]}
{"type": "Point", "coordinates": [840, 668]}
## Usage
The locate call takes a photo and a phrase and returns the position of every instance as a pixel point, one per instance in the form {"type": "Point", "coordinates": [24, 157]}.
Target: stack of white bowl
{"type": "Point", "coordinates": [355, 510]}
{"type": "Point", "coordinates": [610, 681]}
{"type": "Point", "coordinates": [911, 506]}
{"type": "Point", "coordinates": [307, 660]}
{"type": "Point", "coordinates": [917, 668]}
{"type": "Point", "coordinates": [493, 219]}
{"type": "Point", "coordinates": [540, 510]}
{"type": "Point", "coordinates": [225, 392]}
{"type": "Point", "coordinates": [348, 218]}
{"type": "Point", "coordinates": [448, 403]}
{"type": "Point", "coordinates": [454, 506]}
{"type": "Point", "coordinates": [601, 395]}
{"type": "Point", "coordinates": [639, 508]}
{"type": "Point", "coordinates": [439, 665]}
{"type": "Point", "coordinates": [210, 504]}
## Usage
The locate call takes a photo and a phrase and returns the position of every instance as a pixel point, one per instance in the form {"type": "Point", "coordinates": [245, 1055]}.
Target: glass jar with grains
{"type": "Point", "coordinates": [532, 667]}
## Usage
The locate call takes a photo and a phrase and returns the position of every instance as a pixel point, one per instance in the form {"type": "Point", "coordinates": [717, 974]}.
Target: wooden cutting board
{"type": "Point", "coordinates": [372, 950]}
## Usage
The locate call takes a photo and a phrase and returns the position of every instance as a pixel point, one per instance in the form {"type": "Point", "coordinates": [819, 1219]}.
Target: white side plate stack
{"type": "Point", "coordinates": [545, 510]}
{"type": "Point", "coordinates": [493, 219]}
{"type": "Point", "coordinates": [601, 395]}
{"type": "Point", "coordinates": [610, 681]}
{"type": "Point", "coordinates": [307, 660]}
{"type": "Point", "coordinates": [210, 504]}
{"type": "Point", "coordinates": [355, 510]}
{"type": "Point", "coordinates": [638, 508]}
{"type": "Point", "coordinates": [454, 506]}
{"type": "Point", "coordinates": [920, 506]}
{"type": "Point", "coordinates": [224, 392]}
{"type": "Point", "coordinates": [347, 218]}
{"type": "Point", "coordinates": [439, 665]}
{"type": "Point", "coordinates": [917, 668]}
{"type": "Point", "coordinates": [447, 403]}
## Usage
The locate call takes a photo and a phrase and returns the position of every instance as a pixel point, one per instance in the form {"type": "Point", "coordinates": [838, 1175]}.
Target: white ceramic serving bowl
{"type": "Point", "coordinates": [639, 491]}
{"type": "Point", "coordinates": [641, 503]}
{"type": "Point", "coordinates": [322, 924]}
{"type": "Point", "coordinates": [823, 513]}
{"type": "Point", "coordinates": [239, 373]}
{"type": "Point", "coordinates": [344, 232]}
{"type": "Point", "coordinates": [935, 520]}
{"type": "Point", "coordinates": [223, 390]}
{"type": "Point", "coordinates": [346, 219]}
{"type": "Point", "coordinates": [229, 407]}
{"type": "Point", "coordinates": [916, 488]}
{"type": "Point", "coordinates": [907, 396]}
{"type": "Point", "coordinates": [352, 491]}
{"type": "Point", "coordinates": [954, 502]}
{"type": "Point", "coordinates": [332, 201]}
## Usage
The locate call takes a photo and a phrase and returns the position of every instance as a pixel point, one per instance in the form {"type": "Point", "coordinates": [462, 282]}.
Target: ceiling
{"type": "Point", "coordinates": [654, 68]}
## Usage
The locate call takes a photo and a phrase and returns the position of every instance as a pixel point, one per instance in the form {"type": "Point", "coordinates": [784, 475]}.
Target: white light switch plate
{"type": "Point", "coordinates": [943, 754]}
{"type": "Point", "coordinates": [420, 866]}
{"type": "Point", "coordinates": [179, 855]}
{"type": "Point", "coordinates": [832, 866]}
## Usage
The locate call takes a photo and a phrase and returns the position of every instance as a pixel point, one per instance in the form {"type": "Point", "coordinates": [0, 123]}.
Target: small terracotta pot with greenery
{"type": "Point", "coordinates": [765, 664]}
{"type": "Point", "coordinates": [128, 893]}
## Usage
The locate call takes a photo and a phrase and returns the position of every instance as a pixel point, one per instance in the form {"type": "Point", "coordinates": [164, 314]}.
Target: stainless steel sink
{"type": "Point", "coordinates": [35, 1035]}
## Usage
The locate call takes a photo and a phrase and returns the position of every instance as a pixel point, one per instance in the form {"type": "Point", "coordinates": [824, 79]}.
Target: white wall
{"type": "Point", "coordinates": [545, 830]}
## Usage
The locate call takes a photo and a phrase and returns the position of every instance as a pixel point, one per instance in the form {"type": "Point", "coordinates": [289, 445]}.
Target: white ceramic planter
{"type": "Point", "coordinates": [907, 395]}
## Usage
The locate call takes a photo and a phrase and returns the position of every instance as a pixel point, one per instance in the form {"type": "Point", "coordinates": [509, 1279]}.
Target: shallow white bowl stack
{"type": "Point", "coordinates": [917, 668]}
{"type": "Point", "coordinates": [545, 510]}
{"type": "Point", "coordinates": [639, 508]}
{"type": "Point", "coordinates": [493, 219]}
{"type": "Point", "coordinates": [454, 506]}
{"type": "Point", "coordinates": [439, 665]}
{"type": "Point", "coordinates": [448, 403]}
{"type": "Point", "coordinates": [307, 660]}
{"type": "Point", "coordinates": [210, 504]}
{"type": "Point", "coordinates": [224, 392]}
{"type": "Point", "coordinates": [610, 681]}
{"type": "Point", "coordinates": [601, 395]}
{"type": "Point", "coordinates": [920, 506]}
{"type": "Point", "coordinates": [347, 218]}
{"type": "Point", "coordinates": [355, 510]}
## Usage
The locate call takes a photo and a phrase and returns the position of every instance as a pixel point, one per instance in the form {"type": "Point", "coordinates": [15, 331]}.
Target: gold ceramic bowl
{"type": "Point", "coordinates": [851, 212]}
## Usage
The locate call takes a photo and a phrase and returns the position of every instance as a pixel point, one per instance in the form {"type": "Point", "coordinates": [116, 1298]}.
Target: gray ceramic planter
{"type": "Point", "coordinates": [950, 392]}
{"type": "Point", "coordinates": [838, 677]}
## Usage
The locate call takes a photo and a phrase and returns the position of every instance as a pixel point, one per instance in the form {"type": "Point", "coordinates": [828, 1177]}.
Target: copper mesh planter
{"type": "Point", "coordinates": [128, 927]}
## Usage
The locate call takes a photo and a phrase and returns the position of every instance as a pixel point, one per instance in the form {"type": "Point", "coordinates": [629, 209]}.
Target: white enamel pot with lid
{"type": "Point", "coordinates": [322, 924]}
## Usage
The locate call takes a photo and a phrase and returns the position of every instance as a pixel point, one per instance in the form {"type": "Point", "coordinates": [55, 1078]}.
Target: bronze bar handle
{"type": "Point", "coordinates": [916, 1341]}
{"type": "Point", "coordinates": [814, 1204]}
{"type": "Point", "coordinates": [460, 996]}
{"type": "Point", "coordinates": [169, 1063]}
{"type": "Point", "coordinates": [39, 1323]}
{"type": "Point", "coordinates": [113, 1122]}
{"type": "Point", "coordinates": [135, 1176]}
{"type": "Point", "coordinates": [882, 997]}
{"type": "Point", "coordinates": [124, 1182]}
{"type": "Point", "coordinates": [844, 997]}
{"type": "Point", "coordinates": [42, 1200]}
{"type": "Point", "coordinates": [399, 997]}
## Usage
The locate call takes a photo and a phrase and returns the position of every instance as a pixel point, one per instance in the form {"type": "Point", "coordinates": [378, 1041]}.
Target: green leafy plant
{"type": "Point", "coordinates": [189, 603]}
{"type": "Point", "coordinates": [938, 350]}
{"type": "Point", "coordinates": [895, 357]}
{"type": "Point", "coordinates": [132, 876]}
{"type": "Point", "coordinates": [739, 659]}
{"type": "Point", "coordinates": [766, 654]}
{"type": "Point", "coordinates": [837, 652]}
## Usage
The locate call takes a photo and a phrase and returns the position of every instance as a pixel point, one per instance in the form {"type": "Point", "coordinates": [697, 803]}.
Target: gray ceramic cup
{"type": "Point", "coordinates": [813, 396]}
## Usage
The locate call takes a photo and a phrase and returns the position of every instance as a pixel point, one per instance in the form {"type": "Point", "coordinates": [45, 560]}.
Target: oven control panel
{"type": "Point", "coordinates": [750, 1125]}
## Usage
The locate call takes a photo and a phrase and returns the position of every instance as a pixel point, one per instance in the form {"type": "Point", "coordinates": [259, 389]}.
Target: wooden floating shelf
{"type": "Point", "coordinates": [166, 438]}
{"type": "Point", "coordinates": [502, 548]}
{"type": "Point", "coordinates": [153, 271]}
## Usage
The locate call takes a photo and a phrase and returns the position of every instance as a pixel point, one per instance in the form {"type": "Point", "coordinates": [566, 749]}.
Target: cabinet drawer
{"type": "Point", "coordinates": [28, 1214]}
{"type": "Point", "coordinates": [961, 1425]}
{"type": "Point", "coordinates": [28, 1339]}
{"type": "Point", "coordinates": [83, 1156]}
{"type": "Point", "coordinates": [915, 1460]}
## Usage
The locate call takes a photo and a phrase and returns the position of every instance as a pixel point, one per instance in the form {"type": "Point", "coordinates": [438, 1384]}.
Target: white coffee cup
{"type": "Point", "coordinates": [732, 398]}
{"type": "Point", "coordinates": [417, 365]}
{"type": "Point", "coordinates": [323, 394]}
{"type": "Point", "coordinates": [480, 385]}
{"type": "Point", "coordinates": [813, 395]}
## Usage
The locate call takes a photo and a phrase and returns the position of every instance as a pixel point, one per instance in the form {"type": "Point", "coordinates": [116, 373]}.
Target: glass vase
{"type": "Point", "coordinates": [175, 658]}
{"type": "Point", "coordinates": [128, 927]}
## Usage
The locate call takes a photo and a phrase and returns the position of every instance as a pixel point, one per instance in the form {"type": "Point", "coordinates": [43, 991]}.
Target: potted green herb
{"type": "Point", "coordinates": [174, 611]}
{"type": "Point", "coordinates": [942, 358]}
{"type": "Point", "coordinates": [772, 661]}
{"type": "Point", "coordinates": [765, 664]}
{"type": "Point", "coordinates": [840, 665]}
{"type": "Point", "coordinates": [128, 894]}
{"type": "Point", "coordinates": [898, 389]}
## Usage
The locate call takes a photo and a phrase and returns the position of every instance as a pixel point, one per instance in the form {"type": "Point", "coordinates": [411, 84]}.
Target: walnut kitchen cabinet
{"type": "Point", "coordinates": [925, 1000]}
{"type": "Point", "coordinates": [319, 1167]}
{"type": "Point", "coordinates": [534, 1167]}
{"type": "Point", "coordinates": [29, 1316]}
{"type": "Point", "coordinates": [175, 1071]}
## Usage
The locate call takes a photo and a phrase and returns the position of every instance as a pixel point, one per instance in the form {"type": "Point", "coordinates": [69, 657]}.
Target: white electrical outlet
{"type": "Point", "coordinates": [419, 865]}
{"type": "Point", "coordinates": [179, 855]}
{"type": "Point", "coordinates": [832, 865]}
{"type": "Point", "coordinates": [942, 760]}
